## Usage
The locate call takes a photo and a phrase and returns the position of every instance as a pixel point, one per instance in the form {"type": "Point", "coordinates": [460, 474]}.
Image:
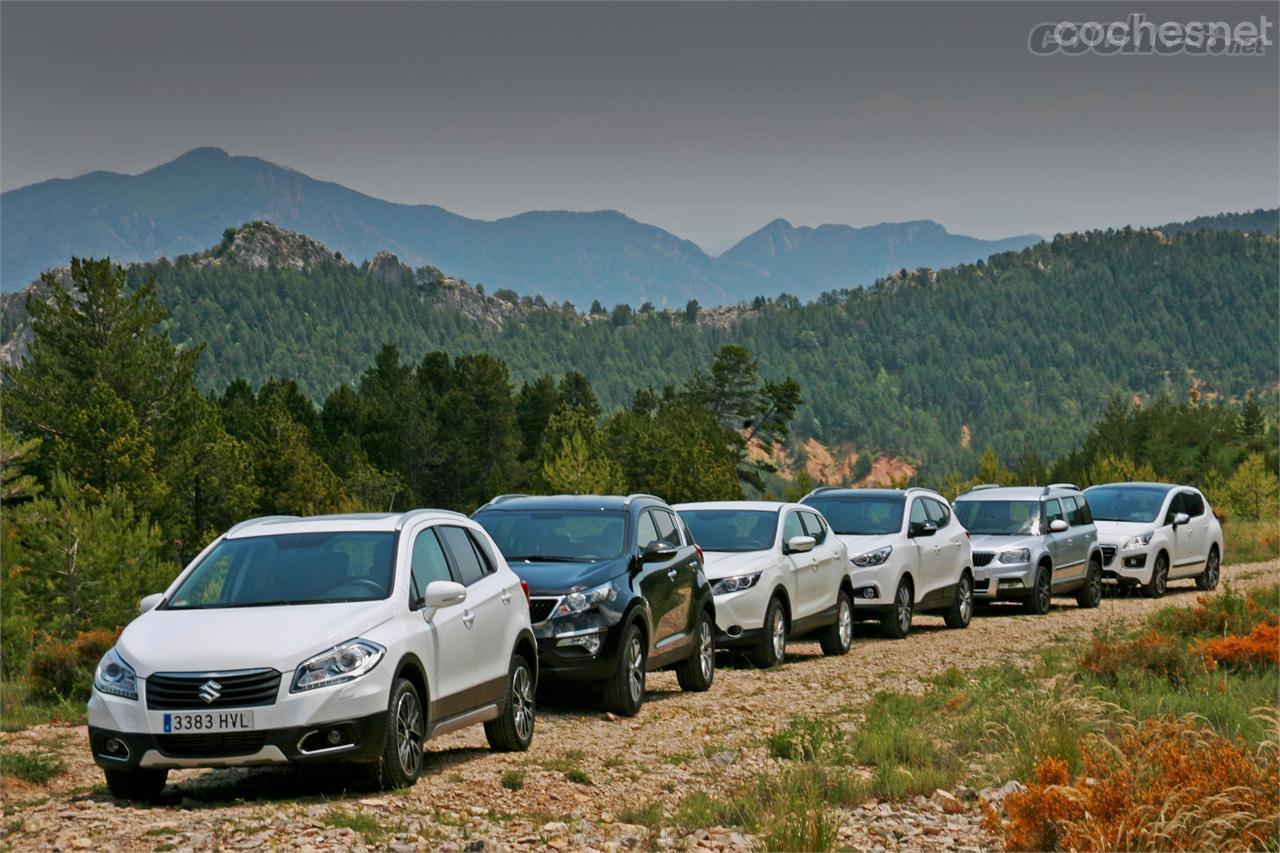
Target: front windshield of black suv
{"type": "Point", "coordinates": [861, 515]}
{"type": "Point", "coordinates": [292, 568]}
{"type": "Point", "coordinates": [1122, 502]}
{"type": "Point", "coordinates": [552, 535]}
{"type": "Point", "coordinates": [732, 530]}
{"type": "Point", "coordinates": [999, 518]}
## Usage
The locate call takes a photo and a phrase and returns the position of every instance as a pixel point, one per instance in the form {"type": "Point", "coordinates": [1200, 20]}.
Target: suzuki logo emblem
{"type": "Point", "coordinates": [210, 691]}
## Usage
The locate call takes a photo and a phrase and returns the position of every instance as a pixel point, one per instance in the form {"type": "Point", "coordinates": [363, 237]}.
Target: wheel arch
{"type": "Point", "coordinates": [411, 669]}
{"type": "Point", "coordinates": [527, 647]}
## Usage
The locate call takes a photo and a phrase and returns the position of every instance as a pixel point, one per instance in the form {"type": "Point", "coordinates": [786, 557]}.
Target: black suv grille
{"type": "Point", "coordinates": [1108, 554]}
{"type": "Point", "coordinates": [181, 691]}
{"type": "Point", "coordinates": [211, 745]}
{"type": "Point", "coordinates": [540, 608]}
{"type": "Point", "coordinates": [982, 558]}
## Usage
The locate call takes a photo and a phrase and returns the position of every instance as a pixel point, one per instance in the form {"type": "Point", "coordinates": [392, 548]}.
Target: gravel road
{"type": "Point", "coordinates": [679, 743]}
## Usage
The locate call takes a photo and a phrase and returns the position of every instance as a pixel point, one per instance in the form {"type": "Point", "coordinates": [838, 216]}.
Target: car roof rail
{"type": "Point", "coordinates": [982, 487]}
{"type": "Point", "coordinates": [500, 498]}
{"type": "Point", "coordinates": [822, 489]}
{"type": "Point", "coordinates": [1072, 486]}
{"type": "Point", "coordinates": [262, 519]}
{"type": "Point", "coordinates": [631, 497]}
{"type": "Point", "coordinates": [410, 514]}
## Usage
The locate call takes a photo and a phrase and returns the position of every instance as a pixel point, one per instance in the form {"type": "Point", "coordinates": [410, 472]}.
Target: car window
{"type": "Point", "coordinates": [1177, 504]}
{"type": "Point", "coordinates": [666, 526]}
{"type": "Point", "coordinates": [918, 513]}
{"type": "Point", "coordinates": [1052, 512]}
{"type": "Point", "coordinates": [814, 526]}
{"type": "Point", "coordinates": [684, 529]}
{"type": "Point", "coordinates": [647, 531]}
{"type": "Point", "coordinates": [1075, 516]}
{"type": "Point", "coordinates": [938, 513]}
{"type": "Point", "coordinates": [1086, 512]}
{"type": "Point", "coordinates": [465, 559]}
{"type": "Point", "coordinates": [428, 562]}
{"type": "Point", "coordinates": [1194, 504]}
{"type": "Point", "coordinates": [792, 527]}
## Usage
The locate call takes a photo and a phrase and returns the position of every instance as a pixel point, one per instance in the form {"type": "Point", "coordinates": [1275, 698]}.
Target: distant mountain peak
{"type": "Point", "coordinates": [262, 245]}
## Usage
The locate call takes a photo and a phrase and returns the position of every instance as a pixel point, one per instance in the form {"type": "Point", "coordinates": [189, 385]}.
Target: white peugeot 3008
{"type": "Point", "coordinates": [334, 638]}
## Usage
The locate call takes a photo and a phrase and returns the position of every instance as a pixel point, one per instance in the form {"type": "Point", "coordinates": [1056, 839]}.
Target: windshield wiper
{"type": "Point", "coordinates": [548, 558]}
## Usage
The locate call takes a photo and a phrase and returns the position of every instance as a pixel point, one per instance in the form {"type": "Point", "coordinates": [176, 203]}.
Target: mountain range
{"type": "Point", "coordinates": [183, 206]}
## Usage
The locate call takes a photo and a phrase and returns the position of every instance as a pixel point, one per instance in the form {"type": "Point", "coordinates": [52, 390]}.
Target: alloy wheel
{"type": "Point", "coordinates": [846, 622]}
{"type": "Point", "coordinates": [966, 599]}
{"type": "Point", "coordinates": [635, 669]}
{"type": "Point", "coordinates": [409, 731]}
{"type": "Point", "coordinates": [1161, 579]}
{"type": "Point", "coordinates": [904, 608]}
{"type": "Point", "coordinates": [778, 634]}
{"type": "Point", "coordinates": [706, 648]}
{"type": "Point", "coordinates": [1042, 591]}
{"type": "Point", "coordinates": [1212, 569]}
{"type": "Point", "coordinates": [522, 695]}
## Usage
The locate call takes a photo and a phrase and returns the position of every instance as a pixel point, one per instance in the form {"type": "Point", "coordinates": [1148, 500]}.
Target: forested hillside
{"type": "Point", "coordinates": [1260, 221]}
{"type": "Point", "coordinates": [1022, 352]}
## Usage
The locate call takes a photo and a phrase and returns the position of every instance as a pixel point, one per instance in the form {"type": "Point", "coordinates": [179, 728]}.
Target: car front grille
{"type": "Point", "coordinates": [982, 558]}
{"type": "Point", "coordinates": [218, 745]}
{"type": "Point", "coordinates": [540, 608]}
{"type": "Point", "coordinates": [182, 691]}
{"type": "Point", "coordinates": [1108, 554]}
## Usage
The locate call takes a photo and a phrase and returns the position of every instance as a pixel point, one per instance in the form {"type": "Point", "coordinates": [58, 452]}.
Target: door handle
{"type": "Point", "coordinates": [506, 597]}
{"type": "Point", "coordinates": [468, 618]}
{"type": "Point", "coordinates": [671, 573]}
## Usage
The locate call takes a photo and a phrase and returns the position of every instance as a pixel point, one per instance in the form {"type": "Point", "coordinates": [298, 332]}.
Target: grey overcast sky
{"type": "Point", "coordinates": [707, 119]}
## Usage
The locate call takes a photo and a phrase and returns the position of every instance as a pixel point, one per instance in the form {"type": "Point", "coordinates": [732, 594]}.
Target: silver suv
{"type": "Point", "coordinates": [1031, 543]}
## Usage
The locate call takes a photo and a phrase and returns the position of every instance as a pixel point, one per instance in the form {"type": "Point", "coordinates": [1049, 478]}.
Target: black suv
{"type": "Point", "coordinates": [616, 588]}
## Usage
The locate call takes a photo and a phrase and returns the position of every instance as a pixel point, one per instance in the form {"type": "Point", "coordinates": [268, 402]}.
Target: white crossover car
{"type": "Point", "coordinates": [1152, 533]}
{"type": "Point", "coordinates": [333, 638]}
{"type": "Point", "coordinates": [776, 571]}
{"type": "Point", "coordinates": [908, 554]}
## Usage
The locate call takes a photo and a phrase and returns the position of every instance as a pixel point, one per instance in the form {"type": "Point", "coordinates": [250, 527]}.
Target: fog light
{"type": "Point", "coordinates": [590, 643]}
{"type": "Point", "coordinates": [115, 746]}
{"type": "Point", "coordinates": [334, 737]}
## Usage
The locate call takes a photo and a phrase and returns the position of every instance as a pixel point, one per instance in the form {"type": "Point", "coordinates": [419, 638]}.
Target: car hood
{"type": "Point", "coordinates": [725, 564]}
{"type": "Point", "coordinates": [243, 637]}
{"type": "Point", "coordinates": [1115, 532]}
{"type": "Point", "coordinates": [992, 542]}
{"type": "Point", "coordinates": [859, 545]}
{"type": "Point", "coordinates": [559, 578]}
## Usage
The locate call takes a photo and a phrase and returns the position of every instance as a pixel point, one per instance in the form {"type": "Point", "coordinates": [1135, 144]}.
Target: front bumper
{"type": "Point", "coordinates": [741, 612]}
{"type": "Point", "coordinates": [998, 580]}
{"type": "Point", "coordinates": [360, 739]}
{"type": "Point", "coordinates": [1132, 566]}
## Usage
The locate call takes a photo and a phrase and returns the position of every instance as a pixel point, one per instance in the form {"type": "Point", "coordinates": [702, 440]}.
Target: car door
{"type": "Point", "coordinates": [1077, 544]}
{"type": "Point", "coordinates": [951, 540]}
{"type": "Point", "coordinates": [444, 643]}
{"type": "Point", "coordinates": [1057, 544]}
{"type": "Point", "coordinates": [656, 582]}
{"type": "Point", "coordinates": [489, 602]}
{"type": "Point", "coordinates": [1190, 538]}
{"type": "Point", "coordinates": [803, 566]}
{"type": "Point", "coordinates": [829, 565]}
{"type": "Point", "coordinates": [685, 570]}
{"type": "Point", "coordinates": [928, 550]}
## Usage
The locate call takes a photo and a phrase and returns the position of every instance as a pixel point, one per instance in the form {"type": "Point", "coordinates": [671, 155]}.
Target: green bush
{"type": "Point", "coordinates": [59, 670]}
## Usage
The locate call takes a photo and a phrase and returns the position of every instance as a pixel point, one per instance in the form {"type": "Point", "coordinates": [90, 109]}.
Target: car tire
{"type": "Point", "coordinates": [1090, 595]}
{"type": "Point", "coordinates": [1208, 579]}
{"type": "Point", "coordinates": [624, 691]}
{"type": "Point", "coordinates": [402, 749]}
{"type": "Point", "coordinates": [696, 674]}
{"type": "Point", "coordinates": [772, 648]}
{"type": "Point", "coordinates": [140, 785]}
{"type": "Point", "coordinates": [1159, 583]}
{"type": "Point", "coordinates": [1040, 601]}
{"type": "Point", "coordinates": [896, 620]}
{"type": "Point", "coordinates": [513, 731]}
{"type": "Point", "coordinates": [960, 613]}
{"type": "Point", "coordinates": [838, 636]}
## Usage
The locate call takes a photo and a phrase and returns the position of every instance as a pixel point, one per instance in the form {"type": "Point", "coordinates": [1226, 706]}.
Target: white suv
{"type": "Point", "coordinates": [1152, 533]}
{"type": "Point", "coordinates": [908, 554]}
{"type": "Point", "coordinates": [334, 638]}
{"type": "Point", "coordinates": [776, 571]}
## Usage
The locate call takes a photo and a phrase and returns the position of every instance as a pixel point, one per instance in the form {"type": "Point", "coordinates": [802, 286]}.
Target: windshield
{"type": "Point", "coordinates": [999, 518]}
{"type": "Point", "coordinates": [294, 568]}
{"type": "Point", "coordinates": [1139, 504]}
{"type": "Point", "coordinates": [570, 536]}
{"type": "Point", "coordinates": [861, 515]}
{"type": "Point", "coordinates": [732, 529]}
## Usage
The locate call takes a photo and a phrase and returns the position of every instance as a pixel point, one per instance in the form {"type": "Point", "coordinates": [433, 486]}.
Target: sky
{"type": "Point", "coordinates": [707, 119]}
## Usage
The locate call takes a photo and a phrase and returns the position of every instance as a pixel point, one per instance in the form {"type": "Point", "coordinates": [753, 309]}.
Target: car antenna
{"type": "Point", "coordinates": [391, 503]}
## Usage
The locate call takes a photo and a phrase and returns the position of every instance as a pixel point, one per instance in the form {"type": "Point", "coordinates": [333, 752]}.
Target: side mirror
{"type": "Point", "coordinates": [1058, 525]}
{"type": "Point", "coordinates": [800, 544]}
{"type": "Point", "coordinates": [150, 602]}
{"type": "Point", "coordinates": [923, 528]}
{"type": "Point", "coordinates": [444, 594]}
{"type": "Point", "coordinates": [1181, 519]}
{"type": "Point", "coordinates": [658, 550]}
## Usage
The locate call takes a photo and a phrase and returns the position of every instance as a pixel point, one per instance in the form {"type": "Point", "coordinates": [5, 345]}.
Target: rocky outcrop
{"type": "Point", "coordinates": [386, 267]}
{"type": "Point", "coordinates": [261, 245]}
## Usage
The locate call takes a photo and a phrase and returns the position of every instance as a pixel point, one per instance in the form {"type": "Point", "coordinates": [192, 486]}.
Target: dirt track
{"type": "Point", "coordinates": [680, 742]}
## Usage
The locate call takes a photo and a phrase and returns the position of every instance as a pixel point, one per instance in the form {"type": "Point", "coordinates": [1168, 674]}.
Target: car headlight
{"type": "Point", "coordinates": [873, 558]}
{"type": "Point", "coordinates": [1142, 540]}
{"type": "Point", "coordinates": [737, 583]}
{"type": "Point", "coordinates": [1017, 555]}
{"type": "Point", "coordinates": [581, 600]}
{"type": "Point", "coordinates": [344, 662]}
{"type": "Point", "coordinates": [115, 677]}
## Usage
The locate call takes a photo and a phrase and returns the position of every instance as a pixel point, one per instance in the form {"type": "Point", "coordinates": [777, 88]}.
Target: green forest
{"type": "Point", "coordinates": [1022, 352]}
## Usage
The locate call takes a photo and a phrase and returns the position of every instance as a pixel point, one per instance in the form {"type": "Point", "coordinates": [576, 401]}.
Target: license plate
{"type": "Point", "coordinates": [208, 721]}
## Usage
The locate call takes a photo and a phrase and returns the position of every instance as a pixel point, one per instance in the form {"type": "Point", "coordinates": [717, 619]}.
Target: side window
{"type": "Point", "coordinates": [482, 551]}
{"type": "Point", "coordinates": [1052, 512]}
{"type": "Point", "coordinates": [465, 559]}
{"type": "Point", "coordinates": [428, 562]}
{"type": "Point", "coordinates": [1176, 505]}
{"type": "Point", "coordinates": [684, 528]}
{"type": "Point", "coordinates": [1194, 504]}
{"type": "Point", "coordinates": [918, 513]}
{"type": "Point", "coordinates": [791, 527]}
{"type": "Point", "coordinates": [1075, 515]}
{"type": "Point", "coordinates": [1086, 514]}
{"type": "Point", "coordinates": [665, 524]}
{"type": "Point", "coordinates": [647, 531]}
{"type": "Point", "coordinates": [938, 513]}
{"type": "Point", "coordinates": [813, 526]}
